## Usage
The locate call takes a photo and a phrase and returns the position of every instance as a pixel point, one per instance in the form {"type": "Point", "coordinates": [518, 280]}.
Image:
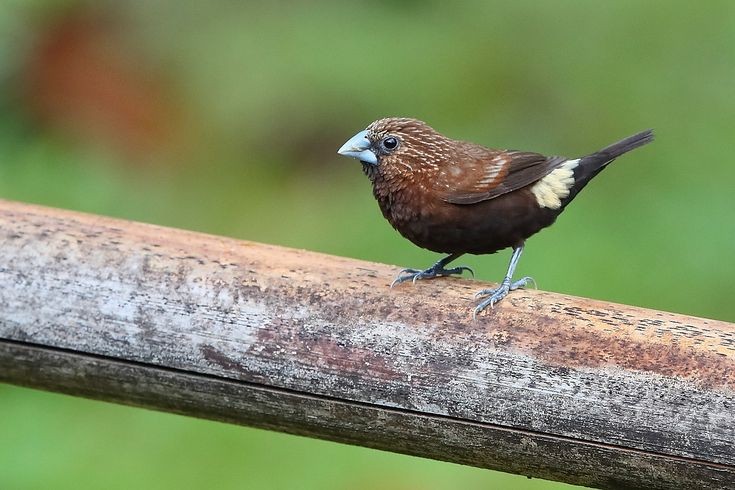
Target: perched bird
{"type": "Point", "coordinates": [456, 197]}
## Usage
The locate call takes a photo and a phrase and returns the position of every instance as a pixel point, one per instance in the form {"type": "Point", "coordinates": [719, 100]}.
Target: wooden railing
{"type": "Point", "coordinates": [545, 385]}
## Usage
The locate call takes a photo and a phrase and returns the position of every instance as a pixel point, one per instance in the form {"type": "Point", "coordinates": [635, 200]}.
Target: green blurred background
{"type": "Point", "coordinates": [225, 117]}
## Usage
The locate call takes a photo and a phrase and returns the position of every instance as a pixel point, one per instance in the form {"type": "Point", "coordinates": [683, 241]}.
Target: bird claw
{"type": "Point", "coordinates": [523, 282]}
{"type": "Point", "coordinates": [497, 294]}
{"type": "Point", "coordinates": [414, 275]}
{"type": "Point", "coordinates": [460, 269]}
{"type": "Point", "coordinates": [411, 275]}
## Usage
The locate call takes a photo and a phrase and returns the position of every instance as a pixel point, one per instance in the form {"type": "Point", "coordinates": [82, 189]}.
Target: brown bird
{"type": "Point", "coordinates": [456, 197]}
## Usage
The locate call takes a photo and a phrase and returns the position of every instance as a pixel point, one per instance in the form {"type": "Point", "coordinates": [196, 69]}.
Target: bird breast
{"type": "Point", "coordinates": [415, 210]}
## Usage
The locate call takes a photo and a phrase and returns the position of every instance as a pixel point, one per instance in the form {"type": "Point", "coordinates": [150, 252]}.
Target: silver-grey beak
{"type": "Point", "coordinates": [359, 147]}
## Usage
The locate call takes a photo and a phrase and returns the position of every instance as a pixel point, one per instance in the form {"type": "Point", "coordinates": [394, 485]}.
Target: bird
{"type": "Point", "coordinates": [456, 197]}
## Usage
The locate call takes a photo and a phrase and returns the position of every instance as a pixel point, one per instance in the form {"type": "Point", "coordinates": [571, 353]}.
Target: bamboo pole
{"type": "Point", "coordinates": [544, 385]}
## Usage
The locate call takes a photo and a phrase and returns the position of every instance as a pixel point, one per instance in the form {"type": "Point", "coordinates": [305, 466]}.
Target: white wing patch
{"type": "Point", "coordinates": [550, 190]}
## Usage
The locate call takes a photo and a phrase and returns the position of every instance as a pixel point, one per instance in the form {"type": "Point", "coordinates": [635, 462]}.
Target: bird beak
{"type": "Point", "coordinates": [359, 147]}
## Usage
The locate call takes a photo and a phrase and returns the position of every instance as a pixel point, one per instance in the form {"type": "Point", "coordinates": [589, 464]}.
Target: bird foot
{"type": "Point", "coordinates": [436, 270]}
{"type": "Point", "coordinates": [497, 294]}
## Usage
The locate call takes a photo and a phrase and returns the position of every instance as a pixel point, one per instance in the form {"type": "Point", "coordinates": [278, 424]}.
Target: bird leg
{"type": "Point", "coordinates": [508, 285]}
{"type": "Point", "coordinates": [436, 270]}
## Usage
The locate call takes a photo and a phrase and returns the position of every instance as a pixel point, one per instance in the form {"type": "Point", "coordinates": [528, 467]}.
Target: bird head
{"type": "Point", "coordinates": [396, 142]}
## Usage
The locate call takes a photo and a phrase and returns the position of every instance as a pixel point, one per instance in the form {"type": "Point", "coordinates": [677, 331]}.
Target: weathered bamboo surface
{"type": "Point", "coordinates": [545, 385]}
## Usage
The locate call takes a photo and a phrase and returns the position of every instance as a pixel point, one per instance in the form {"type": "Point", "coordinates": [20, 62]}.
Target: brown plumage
{"type": "Point", "coordinates": [456, 197]}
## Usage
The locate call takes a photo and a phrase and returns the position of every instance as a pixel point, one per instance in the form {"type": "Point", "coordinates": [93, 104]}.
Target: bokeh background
{"type": "Point", "coordinates": [224, 117]}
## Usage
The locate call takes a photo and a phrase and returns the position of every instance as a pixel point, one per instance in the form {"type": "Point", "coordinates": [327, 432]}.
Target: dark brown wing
{"type": "Point", "coordinates": [479, 173]}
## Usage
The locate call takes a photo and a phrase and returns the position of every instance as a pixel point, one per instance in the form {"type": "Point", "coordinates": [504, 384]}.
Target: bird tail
{"type": "Point", "coordinates": [613, 151]}
{"type": "Point", "coordinates": [593, 164]}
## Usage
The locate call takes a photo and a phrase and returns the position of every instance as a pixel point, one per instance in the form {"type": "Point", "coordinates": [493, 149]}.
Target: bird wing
{"type": "Point", "coordinates": [481, 174]}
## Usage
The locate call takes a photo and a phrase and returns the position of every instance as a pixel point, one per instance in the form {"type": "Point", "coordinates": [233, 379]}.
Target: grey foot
{"type": "Point", "coordinates": [414, 275]}
{"type": "Point", "coordinates": [497, 294]}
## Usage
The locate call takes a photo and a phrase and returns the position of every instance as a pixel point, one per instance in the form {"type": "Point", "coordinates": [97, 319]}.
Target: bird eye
{"type": "Point", "coordinates": [390, 143]}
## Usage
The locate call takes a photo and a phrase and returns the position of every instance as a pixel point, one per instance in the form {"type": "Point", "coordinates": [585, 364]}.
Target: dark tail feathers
{"type": "Point", "coordinates": [623, 146]}
{"type": "Point", "coordinates": [593, 164]}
